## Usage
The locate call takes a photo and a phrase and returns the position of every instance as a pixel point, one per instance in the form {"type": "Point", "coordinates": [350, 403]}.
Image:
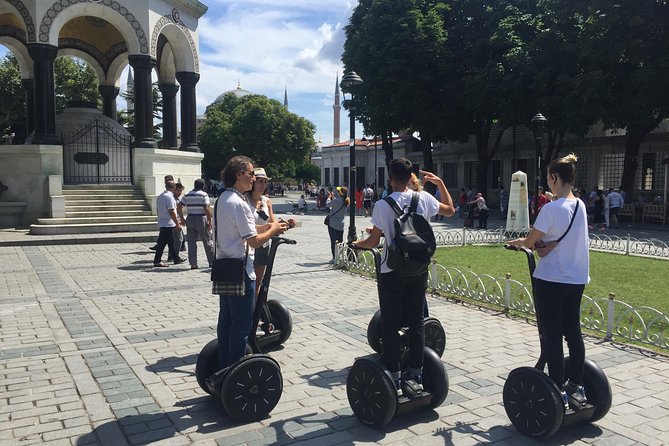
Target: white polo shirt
{"type": "Point", "coordinates": [234, 224]}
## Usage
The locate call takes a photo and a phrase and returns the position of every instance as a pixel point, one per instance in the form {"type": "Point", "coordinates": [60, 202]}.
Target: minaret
{"type": "Point", "coordinates": [285, 96]}
{"type": "Point", "coordinates": [337, 108]}
{"type": "Point", "coordinates": [130, 88]}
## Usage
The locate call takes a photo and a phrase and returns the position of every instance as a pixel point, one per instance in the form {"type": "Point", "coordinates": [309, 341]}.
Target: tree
{"type": "Point", "coordinates": [627, 54]}
{"type": "Point", "coordinates": [12, 106]}
{"type": "Point", "coordinates": [402, 69]}
{"type": "Point", "coordinates": [127, 117]}
{"type": "Point", "coordinates": [258, 127]}
{"type": "Point", "coordinates": [74, 80]}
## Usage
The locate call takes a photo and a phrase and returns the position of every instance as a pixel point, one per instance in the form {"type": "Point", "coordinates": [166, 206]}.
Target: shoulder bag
{"type": "Point", "coordinates": [228, 274]}
{"type": "Point", "coordinates": [543, 248]}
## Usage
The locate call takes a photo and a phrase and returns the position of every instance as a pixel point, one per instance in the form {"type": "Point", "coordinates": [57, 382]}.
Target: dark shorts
{"type": "Point", "coordinates": [367, 204]}
{"type": "Point", "coordinates": [613, 211]}
{"type": "Point", "coordinates": [261, 256]}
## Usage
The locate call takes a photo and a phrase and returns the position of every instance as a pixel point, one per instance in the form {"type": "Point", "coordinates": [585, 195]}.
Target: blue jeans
{"type": "Point", "coordinates": [235, 318]}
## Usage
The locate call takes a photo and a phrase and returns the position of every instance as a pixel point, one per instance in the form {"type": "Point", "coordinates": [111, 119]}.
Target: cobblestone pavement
{"type": "Point", "coordinates": [99, 348]}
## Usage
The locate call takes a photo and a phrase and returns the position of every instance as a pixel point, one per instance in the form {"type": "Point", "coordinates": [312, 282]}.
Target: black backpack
{"type": "Point", "coordinates": [411, 250]}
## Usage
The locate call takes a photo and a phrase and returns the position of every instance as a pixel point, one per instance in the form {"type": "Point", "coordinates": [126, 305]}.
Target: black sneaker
{"type": "Point", "coordinates": [575, 396]}
{"type": "Point", "coordinates": [179, 260]}
{"type": "Point", "coordinates": [153, 248]}
{"type": "Point", "coordinates": [412, 386]}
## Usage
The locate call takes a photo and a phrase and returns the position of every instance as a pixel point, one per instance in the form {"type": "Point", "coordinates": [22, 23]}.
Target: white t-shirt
{"type": "Point", "coordinates": [383, 216]}
{"type": "Point", "coordinates": [235, 222]}
{"type": "Point", "coordinates": [569, 262]}
{"type": "Point", "coordinates": [164, 203]}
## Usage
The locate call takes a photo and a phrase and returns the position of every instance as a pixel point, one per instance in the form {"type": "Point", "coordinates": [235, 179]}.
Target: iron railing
{"type": "Point", "coordinates": [606, 316]}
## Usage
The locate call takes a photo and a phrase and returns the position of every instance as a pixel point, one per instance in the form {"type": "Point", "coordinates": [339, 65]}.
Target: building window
{"type": "Point", "coordinates": [415, 168]}
{"type": "Point", "coordinates": [335, 180]}
{"type": "Point", "coordinates": [647, 171]}
{"type": "Point", "coordinates": [611, 170]}
{"type": "Point", "coordinates": [347, 179]}
{"type": "Point", "coordinates": [360, 180]}
{"type": "Point", "coordinates": [581, 175]}
{"type": "Point", "coordinates": [450, 175]}
{"type": "Point", "coordinates": [326, 177]}
{"type": "Point", "coordinates": [381, 177]}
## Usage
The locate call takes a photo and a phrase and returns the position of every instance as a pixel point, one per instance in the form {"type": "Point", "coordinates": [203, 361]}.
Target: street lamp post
{"type": "Point", "coordinates": [348, 83]}
{"type": "Point", "coordinates": [376, 168]}
{"type": "Point", "coordinates": [538, 122]}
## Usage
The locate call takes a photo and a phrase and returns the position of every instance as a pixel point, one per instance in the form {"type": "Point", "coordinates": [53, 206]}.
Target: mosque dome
{"type": "Point", "coordinates": [239, 92]}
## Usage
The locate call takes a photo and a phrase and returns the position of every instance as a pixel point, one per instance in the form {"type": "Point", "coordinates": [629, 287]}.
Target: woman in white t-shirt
{"type": "Point", "coordinates": [560, 278]}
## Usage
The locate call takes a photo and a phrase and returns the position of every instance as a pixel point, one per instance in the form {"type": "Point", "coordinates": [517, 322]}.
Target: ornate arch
{"type": "Point", "coordinates": [27, 18]}
{"type": "Point", "coordinates": [60, 5]}
{"type": "Point", "coordinates": [173, 19]}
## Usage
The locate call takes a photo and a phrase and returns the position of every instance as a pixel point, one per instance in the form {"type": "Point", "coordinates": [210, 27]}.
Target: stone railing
{"type": "Point", "coordinates": [612, 319]}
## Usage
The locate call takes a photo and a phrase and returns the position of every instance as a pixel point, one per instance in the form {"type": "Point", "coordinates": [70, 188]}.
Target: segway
{"type": "Point", "coordinates": [533, 402]}
{"type": "Point", "coordinates": [435, 336]}
{"type": "Point", "coordinates": [371, 390]}
{"type": "Point", "coordinates": [250, 388]}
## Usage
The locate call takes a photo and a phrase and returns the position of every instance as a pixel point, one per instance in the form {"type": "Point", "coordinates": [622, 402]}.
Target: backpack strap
{"type": "Point", "coordinates": [393, 205]}
{"type": "Point", "coordinates": [413, 207]}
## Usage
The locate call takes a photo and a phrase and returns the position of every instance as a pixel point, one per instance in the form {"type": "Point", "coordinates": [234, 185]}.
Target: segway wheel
{"type": "Point", "coordinates": [207, 363]}
{"type": "Point", "coordinates": [533, 402]}
{"type": "Point", "coordinates": [371, 393]}
{"type": "Point", "coordinates": [435, 336]}
{"type": "Point", "coordinates": [374, 332]}
{"type": "Point", "coordinates": [252, 388]}
{"type": "Point", "coordinates": [597, 387]}
{"type": "Point", "coordinates": [281, 319]}
{"type": "Point", "coordinates": [435, 377]}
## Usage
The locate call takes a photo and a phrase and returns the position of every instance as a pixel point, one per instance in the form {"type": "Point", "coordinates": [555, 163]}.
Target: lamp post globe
{"type": "Point", "coordinates": [349, 82]}
{"type": "Point", "coordinates": [538, 122]}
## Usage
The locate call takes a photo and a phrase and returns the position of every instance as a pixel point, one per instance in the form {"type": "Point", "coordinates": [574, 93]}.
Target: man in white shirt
{"type": "Point", "coordinates": [616, 202]}
{"type": "Point", "coordinates": [367, 195]}
{"type": "Point", "coordinates": [167, 221]}
{"type": "Point", "coordinates": [398, 294]}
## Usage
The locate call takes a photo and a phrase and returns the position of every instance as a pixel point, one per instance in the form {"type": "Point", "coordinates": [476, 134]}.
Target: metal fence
{"type": "Point", "coordinates": [614, 320]}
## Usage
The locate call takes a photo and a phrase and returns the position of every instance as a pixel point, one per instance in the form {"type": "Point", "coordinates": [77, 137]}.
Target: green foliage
{"type": "Point", "coordinates": [638, 286]}
{"type": "Point", "coordinates": [12, 107]}
{"type": "Point", "coordinates": [258, 127]}
{"type": "Point", "coordinates": [127, 117]}
{"type": "Point", "coordinates": [308, 172]}
{"type": "Point", "coordinates": [74, 80]}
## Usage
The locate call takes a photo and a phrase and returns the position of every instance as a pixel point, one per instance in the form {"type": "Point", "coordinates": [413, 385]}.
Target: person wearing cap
{"type": "Point", "coordinates": [338, 204]}
{"type": "Point", "coordinates": [198, 222]}
{"type": "Point", "coordinates": [479, 201]}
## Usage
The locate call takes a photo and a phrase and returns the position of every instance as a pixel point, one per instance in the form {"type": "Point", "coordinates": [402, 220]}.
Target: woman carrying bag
{"type": "Point", "coordinates": [338, 204]}
{"type": "Point", "coordinates": [560, 234]}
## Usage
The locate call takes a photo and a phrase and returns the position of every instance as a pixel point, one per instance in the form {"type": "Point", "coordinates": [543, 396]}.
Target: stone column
{"type": "Point", "coordinates": [29, 88]}
{"type": "Point", "coordinates": [109, 94]}
{"type": "Point", "coordinates": [169, 92]}
{"type": "Point", "coordinates": [44, 102]}
{"type": "Point", "coordinates": [187, 80]}
{"type": "Point", "coordinates": [142, 66]}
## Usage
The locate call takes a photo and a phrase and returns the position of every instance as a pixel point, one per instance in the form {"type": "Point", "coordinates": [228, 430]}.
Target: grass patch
{"type": "Point", "coordinates": [635, 280]}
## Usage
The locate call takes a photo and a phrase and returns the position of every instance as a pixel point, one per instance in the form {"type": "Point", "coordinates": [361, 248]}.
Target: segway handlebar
{"type": "Point", "coordinates": [375, 252]}
{"type": "Point", "coordinates": [531, 262]}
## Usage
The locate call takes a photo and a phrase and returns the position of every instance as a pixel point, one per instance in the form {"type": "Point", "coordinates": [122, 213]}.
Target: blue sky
{"type": "Point", "coordinates": [267, 45]}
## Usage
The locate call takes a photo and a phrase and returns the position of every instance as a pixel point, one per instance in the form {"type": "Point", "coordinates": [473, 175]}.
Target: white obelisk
{"type": "Point", "coordinates": [518, 217]}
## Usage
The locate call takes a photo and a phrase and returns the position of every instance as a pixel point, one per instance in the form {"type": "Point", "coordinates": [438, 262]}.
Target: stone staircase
{"type": "Point", "coordinates": [91, 209]}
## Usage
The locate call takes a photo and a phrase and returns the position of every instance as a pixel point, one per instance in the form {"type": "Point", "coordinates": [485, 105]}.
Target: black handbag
{"type": "Point", "coordinates": [228, 274]}
{"type": "Point", "coordinates": [327, 217]}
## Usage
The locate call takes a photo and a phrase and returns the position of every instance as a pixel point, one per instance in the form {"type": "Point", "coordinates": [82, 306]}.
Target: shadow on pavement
{"type": "Point", "coordinates": [174, 364]}
{"type": "Point", "coordinates": [328, 378]}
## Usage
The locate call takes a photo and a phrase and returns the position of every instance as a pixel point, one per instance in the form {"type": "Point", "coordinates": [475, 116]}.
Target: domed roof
{"type": "Point", "coordinates": [239, 92]}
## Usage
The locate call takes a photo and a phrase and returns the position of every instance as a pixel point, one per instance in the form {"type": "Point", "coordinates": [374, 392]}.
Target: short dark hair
{"type": "Point", "coordinates": [199, 184]}
{"type": "Point", "coordinates": [170, 184]}
{"type": "Point", "coordinates": [399, 170]}
{"type": "Point", "coordinates": [235, 166]}
{"type": "Point", "coordinates": [179, 186]}
{"type": "Point", "coordinates": [168, 178]}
